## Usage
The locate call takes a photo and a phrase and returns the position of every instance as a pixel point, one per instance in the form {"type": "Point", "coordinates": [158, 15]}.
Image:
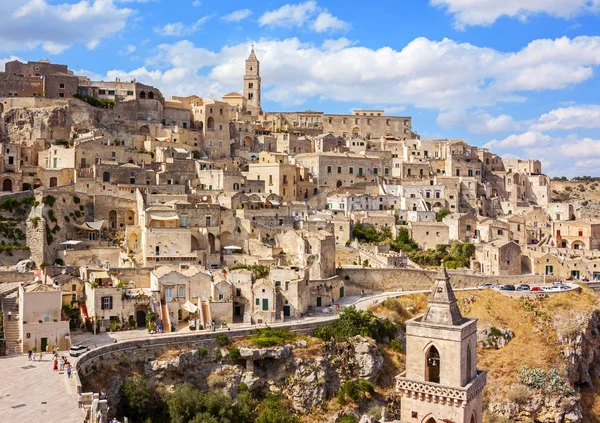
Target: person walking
{"type": "Point", "coordinates": [29, 354]}
{"type": "Point", "coordinates": [69, 369]}
{"type": "Point", "coordinates": [9, 315]}
{"type": "Point", "coordinates": [55, 361]}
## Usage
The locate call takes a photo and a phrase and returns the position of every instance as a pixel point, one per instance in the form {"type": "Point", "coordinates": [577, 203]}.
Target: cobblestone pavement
{"type": "Point", "coordinates": [31, 391]}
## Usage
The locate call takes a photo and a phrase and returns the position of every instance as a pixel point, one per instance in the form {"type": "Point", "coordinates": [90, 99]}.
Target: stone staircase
{"type": "Point", "coordinates": [12, 328]}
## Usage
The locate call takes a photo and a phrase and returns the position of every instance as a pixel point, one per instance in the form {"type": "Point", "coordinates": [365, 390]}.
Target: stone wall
{"type": "Point", "coordinates": [391, 280]}
{"type": "Point", "coordinates": [10, 276]}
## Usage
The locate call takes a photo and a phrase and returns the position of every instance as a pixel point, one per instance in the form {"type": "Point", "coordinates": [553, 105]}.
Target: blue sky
{"type": "Point", "coordinates": [517, 76]}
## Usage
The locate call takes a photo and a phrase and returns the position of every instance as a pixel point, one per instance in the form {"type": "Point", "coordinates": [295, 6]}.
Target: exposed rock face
{"type": "Point", "coordinates": [23, 266]}
{"type": "Point", "coordinates": [307, 380]}
{"type": "Point", "coordinates": [494, 337]}
{"type": "Point", "coordinates": [578, 341]}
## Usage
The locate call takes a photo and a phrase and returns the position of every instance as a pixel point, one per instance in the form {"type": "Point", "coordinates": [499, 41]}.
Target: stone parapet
{"type": "Point", "coordinates": [434, 392]}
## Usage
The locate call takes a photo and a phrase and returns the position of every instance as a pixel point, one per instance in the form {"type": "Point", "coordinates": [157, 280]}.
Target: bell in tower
{"type": "Point", "coordinates": [441, 353]}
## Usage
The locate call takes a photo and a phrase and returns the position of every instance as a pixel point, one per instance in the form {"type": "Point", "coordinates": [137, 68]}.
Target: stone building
{"type": "Point", "coordinates": [498, 258]}
{"type": "Point", "coordinates": [577, 234]}
{"type": "Point", "coordinates": [252, 81]}
{"type": "Point", "coordinates": [37, 79]}
{"type": "Point", "coordinates": [441, 382]}
{"type": "Point", "coordinates": [42, 324]}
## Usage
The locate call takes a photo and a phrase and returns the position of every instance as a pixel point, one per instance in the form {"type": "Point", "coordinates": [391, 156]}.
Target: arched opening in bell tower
{"type": "Point", "coordinates": [432, 365]}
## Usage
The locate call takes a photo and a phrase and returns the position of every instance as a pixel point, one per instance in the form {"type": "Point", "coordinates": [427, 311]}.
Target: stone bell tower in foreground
{"type": "Point", "coordinates": [441, 382]}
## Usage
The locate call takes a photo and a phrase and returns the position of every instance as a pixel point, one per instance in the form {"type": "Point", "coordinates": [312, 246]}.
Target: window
{"type": "Point", "coordinates": [238, 292]}
{"type": "Point", "coordinates": [251, 85]}
{"type": "Point", "coordinates": [61, 94]}
{"type": "Point", "coordinates": [277, 283]}
{"type": "Point", "coordinates": [339, 169]}
{"type": "Point", "coordinates": [350, 170]}
{"type": "Point", "coordinates": [328, 169]}
{"type": "Point", "coordinates": [102, 92]}
{"type": "Point", "coordinates": [265, 304]}
{"type": "Point", "coordinates": [386, 171]}
{"type": "Point", "coordinates": [61, 86]}
{"type": "Point", "coordinates": [500, 231]}
{"type": "Point", "coordinates": [375, 171]}
{"type": "Point", "coordinates": [257, 302]}
{"type": "Point", "coordinates": [111, 92]}
{"type": "Point", "coordinates": [107, 303]}
{"type": "Point", "coordinates": [207, 220]}
{"type": "Point", "coordinates": [181, 292]}
{"type": "Point", "coordinates": [580, 233]}
{"type": "Point", "coordinates": [129, 92]}
{"type": "Point", "coordinates": [11, 160]}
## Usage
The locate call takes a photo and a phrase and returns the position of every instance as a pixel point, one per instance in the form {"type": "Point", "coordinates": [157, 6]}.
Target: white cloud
{"type": "Point", "coordinates": [486, 12]}
{"type": "Point", "coordinates": [477, 121]}
{"type": "Point", "coordinates": [303, 14]}
{"type": "Point", "coordinates": [196, 3]}
{"type": "Point", "coordinates": [584, 116]}
{"type": "Point", "coordinates": [441, 75]}
{"type": "Point", "coordinates": [127, 50]}
{"type": "Point", "coordinates": [526, 139]}
{"type": "Point", "coordinates": [588, 164]}
{"type": "Point", "coordinates": [178, 29]}
{"type": "Point", "coordinates": [289, 15]}
{"type": "Point", "coordinates": [236, 16]}
{"type": "Point", "coordinates": [586, 147]}
{"type": "Point", "coordinates": [55, 27]}
{"type": "Point", "coordinates": [327, 22]}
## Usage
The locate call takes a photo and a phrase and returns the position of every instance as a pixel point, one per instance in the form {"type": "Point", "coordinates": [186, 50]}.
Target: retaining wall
{"type": "Point", "coordinates": [150, 348]}
{"type": "Point", "coordinates": [400, 279]}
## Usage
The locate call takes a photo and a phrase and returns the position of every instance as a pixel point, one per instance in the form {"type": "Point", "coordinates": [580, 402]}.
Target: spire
{"type": "Point", "coordinates": [442, 308]}
{"type": "Point", "coordinates": [252, 55]}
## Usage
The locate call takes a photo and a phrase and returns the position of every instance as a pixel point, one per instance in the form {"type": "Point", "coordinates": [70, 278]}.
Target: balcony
{"type": "Point", "coordinates": [440, 393]}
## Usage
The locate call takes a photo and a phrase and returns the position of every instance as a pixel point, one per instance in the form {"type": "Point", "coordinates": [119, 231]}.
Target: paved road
{"type": "Point", "coordinates": [33, 392]}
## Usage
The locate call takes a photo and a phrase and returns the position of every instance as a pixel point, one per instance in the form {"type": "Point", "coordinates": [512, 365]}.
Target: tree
{"type": "Point", "coordinates": [137, 401]}
{"type": "Point", "coordinates": [440, 214]}
{"type": "Point", "coordinates": [273, 409]}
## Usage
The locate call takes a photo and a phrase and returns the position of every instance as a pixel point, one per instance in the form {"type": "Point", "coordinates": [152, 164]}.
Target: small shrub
{"type": "Point", "coordinates": [35, 220]}
{"type": "Point", "coordinates": [202, 351]}
{"type": "Point", "coordinates": [397, 345]}
{"type": "Point", "coordinates": [215, 381]}
{"type": "Point", "coordinates": [518, 394]}
{"type": "Point", "coordinates": [234, 354]}
{"type": "Point", "coordinates": [348, 418]}
{"type": "Point", "coordinates": [494, 331]}
{"type": "Point", "coordinates": [222, 340]}
{"type": "Point", "coordinates": [49, 200]}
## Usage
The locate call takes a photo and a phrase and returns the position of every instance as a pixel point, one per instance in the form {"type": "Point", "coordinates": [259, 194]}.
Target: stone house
{"type": "Point", "coordinates": [498, 258]}
{"type": "Point", "coordinates": [334, 170]}
{"type": "Point", "coordinates": [42, 324]}
{"type": "Point", "coordinates": [461, 226]}
{"type": "Point", "coordinates": [429, 234]}
{"type": "Point", "coordinates": [581, 234]}
{"type": "Point", "coordinates": [281, 177]}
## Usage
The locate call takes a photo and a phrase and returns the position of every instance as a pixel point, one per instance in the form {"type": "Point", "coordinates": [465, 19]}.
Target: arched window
{"type": "Point", "coordinates": [210, 124]}
{"type": "Point", "coordinates": [150, 95]}
{"type": "Point", "coordinates": [142, 94]}
{"type": "Point", "coordinates": [432, 365]}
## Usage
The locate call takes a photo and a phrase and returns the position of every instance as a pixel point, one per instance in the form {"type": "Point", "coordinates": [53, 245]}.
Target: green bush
{"type": "Point", "coordinates": [439, 215]}
{"type": "Point", "coordinates": [222, 340]}
{"type": "Point", "coordinates": [548, 381]}
{"type": "Point", "coordinates": [352, 390]}
{"type": "Point", "coordinates": [349, 418]}
{"type": "Point", "coordinates": [397, 345]}
{"type": "Point", "coordinates": [49, 200]}
{"type": "Point", "coordinates": [202, 351]}
{"type": "Point", "coordinates": [370, 234]}
{"type": "Point", "coordinates": [234, 354]}
{"type": "Point", "coordinates": [269, 337]}
{"type": "Point", "coordinates": [260, 271]}
{"type": "Point", "coordinates": [353, 322]}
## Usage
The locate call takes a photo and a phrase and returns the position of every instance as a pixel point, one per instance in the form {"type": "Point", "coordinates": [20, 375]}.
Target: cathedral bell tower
{"type": "Point", "coordinates": [252, 84]}
{"type": "Point", "coordinates": [441, 382]}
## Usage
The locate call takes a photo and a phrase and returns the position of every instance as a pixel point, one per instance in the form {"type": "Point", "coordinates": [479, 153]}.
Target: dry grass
{"type": "Point", "coordinates": [534, 342]}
